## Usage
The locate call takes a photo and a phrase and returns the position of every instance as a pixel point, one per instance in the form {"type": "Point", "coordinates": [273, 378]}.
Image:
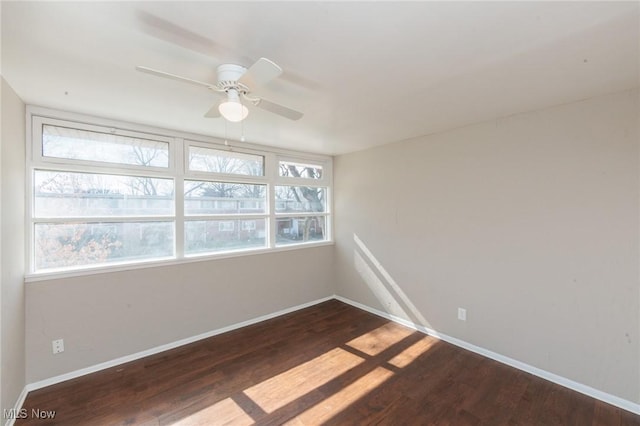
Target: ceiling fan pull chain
{"type": "Point", "coordinates": [226, 142]}
{"type": "Point", "coordinates": [242, 131]}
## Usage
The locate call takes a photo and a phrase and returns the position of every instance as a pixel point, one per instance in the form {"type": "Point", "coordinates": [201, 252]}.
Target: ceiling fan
{"type": "Point", "coordinates": [238, 83]}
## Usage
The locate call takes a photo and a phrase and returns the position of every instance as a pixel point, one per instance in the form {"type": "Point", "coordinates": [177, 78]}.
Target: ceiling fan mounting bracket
{"type": "Point", "coordinates": [225, 86]}
{"type": "Point", "coordinates": [255, 101]}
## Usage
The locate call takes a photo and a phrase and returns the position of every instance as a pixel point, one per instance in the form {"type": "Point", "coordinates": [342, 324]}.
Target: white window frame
{"type": "Point", "coordinates": [179, 143]}
{"type": "Point", "coordinates": [201, 175]}
{"type": "Point", "coordinates": [324, 182]}
{"type": "Point", "coordinates": [38, 121]}
{"type": "Point", "coordinates": [301, 162]}
{"type": "Point", "coordinates": [204, 175]}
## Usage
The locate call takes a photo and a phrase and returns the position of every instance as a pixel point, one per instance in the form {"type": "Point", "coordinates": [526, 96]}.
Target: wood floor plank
{"type": "Point", "coordinates": [327, 364]}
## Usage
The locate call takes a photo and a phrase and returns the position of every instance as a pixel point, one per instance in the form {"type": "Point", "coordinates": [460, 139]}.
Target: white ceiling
{"type": "Point", "coordinates": [364, 73]}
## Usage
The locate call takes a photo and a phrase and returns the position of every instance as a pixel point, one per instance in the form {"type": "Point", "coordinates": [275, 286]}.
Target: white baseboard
{"type": "Point", "coordinates": [18, 405]}
{"type": "Point", "coordinates": [579, 387]}
{"type": "Point", "coordinates": [128, 358]}
{"type": "Point", "coordinates": [562, 381]}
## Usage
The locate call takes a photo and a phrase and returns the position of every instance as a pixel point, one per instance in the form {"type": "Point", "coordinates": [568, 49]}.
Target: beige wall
{"type": "Point", "coordinates": [529, 222]}
{"type": "Point", "coordinates": [105, 316]}
{"type": "Point", "coordinates": [12, 344]}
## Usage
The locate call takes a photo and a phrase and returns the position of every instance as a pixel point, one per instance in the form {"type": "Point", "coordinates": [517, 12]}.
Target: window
{"type": "Point", "coordinates": [300, 199]}
{"type": "Point", "coordinates": [106, 195]}
{"type": "Point", "coordinates": [98, 197]}
{"type": "Point", "coordinates": [217, 161]}
{"type": "Point", "coordinates": [300, 204]}
{"type": "Point", "coordinates": [88, 218]}
{"type": "Point", "coordinates": [291, 230]}
{"type": "Point", "coordinates": [78, 144]}
{"type": "Point", "coordinates": [62, 194]}
{"type": "Point", "coordinates": [214, 212]}
{"type": "Point", "coordinates": [299, 170]}
{"type": "Point", "coordinates": [211, 198]}
{"type": "Point", "coordinates": [60, 245]}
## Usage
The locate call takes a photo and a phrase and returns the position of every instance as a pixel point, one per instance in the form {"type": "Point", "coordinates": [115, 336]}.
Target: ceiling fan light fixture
{"type": "Point", "coordinates": [232, 109]}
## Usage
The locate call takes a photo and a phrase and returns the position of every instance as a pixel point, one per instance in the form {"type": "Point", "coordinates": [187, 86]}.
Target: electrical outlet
{"type": "Point", "coordinates": [462, 314]}
{"type": "Point", "coordinates": [57, 346]}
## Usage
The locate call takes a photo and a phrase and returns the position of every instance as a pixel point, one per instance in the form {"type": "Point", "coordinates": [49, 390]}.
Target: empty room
{"type": "Point", "coordinates": [307, 213]}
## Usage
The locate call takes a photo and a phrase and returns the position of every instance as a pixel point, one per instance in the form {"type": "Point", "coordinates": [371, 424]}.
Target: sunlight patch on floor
{"type": "Point", "coordinates": [376, 341]}
{"type": "Point", "coordinates": [410, 354]}
{"type": "Point", "coordinates": [279, 390]}
{"type": "Point", "coordinates": [328, 408]}
{"type": "Point", "coordinates": [225, 412]}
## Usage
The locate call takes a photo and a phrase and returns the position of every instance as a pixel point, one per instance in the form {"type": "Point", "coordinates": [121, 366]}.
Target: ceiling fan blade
{"type": "Point", "coordinates": [261, 72]}
{"type": "Point", "coordinates": [169, 32]}
{"type": "Point", "coordinates": [214, 112]}
{"type": "Point", "coordinates": [174, 77]}
{"type": "Point", "coordinates": [283, 111]}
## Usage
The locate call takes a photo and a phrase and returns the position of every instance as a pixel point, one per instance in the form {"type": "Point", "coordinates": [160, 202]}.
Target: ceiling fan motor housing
{"type": "Point", "coordinates": [228, 76]}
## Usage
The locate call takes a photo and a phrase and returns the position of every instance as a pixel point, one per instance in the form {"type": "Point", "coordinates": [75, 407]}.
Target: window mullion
{"type": "Point", "coordinates": [179, 162]}
{"type": "Point", "coordinates": [272, 174]}
{"type": "Point", "coordinates": [301, 214]}
{"type": "Point", "coordinates": [103, 219]}
{"type": "Point", "coordinates": [239, 216]}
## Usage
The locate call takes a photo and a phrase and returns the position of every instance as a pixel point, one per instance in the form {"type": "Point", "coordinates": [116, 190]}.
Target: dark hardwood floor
{"type": "Point", "coordinates": [328, 364]}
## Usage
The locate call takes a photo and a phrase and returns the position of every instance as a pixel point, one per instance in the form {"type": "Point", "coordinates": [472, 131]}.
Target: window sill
{"type": "Point", "coordinates": [47, 276]}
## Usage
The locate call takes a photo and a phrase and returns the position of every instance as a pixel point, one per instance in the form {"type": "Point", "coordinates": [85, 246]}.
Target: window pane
{"type": "Point", "coordinates": [293, 230]}
{"type": "Point", "coordinates": [79, 244]}
{"type": "Point", "coordinates": [68, 194]}
{"type": "Point", "coordinates": [217, 161]}
{"type": "Point", "coordinates": [300, 199]}
{"type": "Point", "coordinates": [210, 236]}
{"type": "Point", "coordinates": [223, 198]}
{"type": "Point", "coordinates": [299, 170]}
{"type": "Point", "coordinates": [75, 144]}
